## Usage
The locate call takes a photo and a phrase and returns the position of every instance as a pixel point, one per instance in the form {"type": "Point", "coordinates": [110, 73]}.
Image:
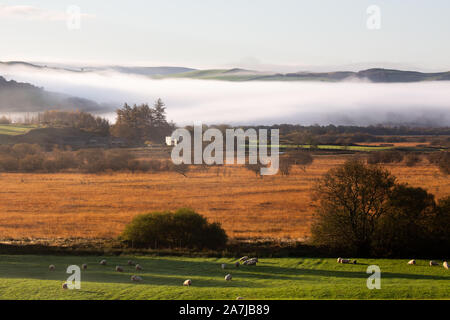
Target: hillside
{"type": "Point", "coordinates": [237, 74]}
{"type": "Point", "coordinates": [374, 75]}
{"type": "Point", "coordinates": [49, 137]}
{"type": "Point", "coordinates": [24, 97]}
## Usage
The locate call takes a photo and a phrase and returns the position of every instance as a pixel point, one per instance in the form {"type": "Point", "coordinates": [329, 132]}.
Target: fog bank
{"type": "Point", "coordinates": [209, 101]}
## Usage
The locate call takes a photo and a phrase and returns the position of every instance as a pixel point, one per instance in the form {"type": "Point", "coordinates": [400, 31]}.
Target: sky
{"type": "Point", "coordinates": [286, 35]}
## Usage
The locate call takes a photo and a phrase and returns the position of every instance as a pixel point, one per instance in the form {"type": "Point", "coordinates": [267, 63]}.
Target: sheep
{"type": "Point", "coordinates": [187, 283]}
{"type": "Point", "coordinates": [239, 298]}
{"type": "Point", "coordinates": [237, 264]}
{"type": "Point", "coordinates": [354, 261]}
{"type": "Point", "coordinates": [339, 260]}
{"type": "Point", "coordinates": [136, 278]}
{"type": "Point", "coordinates": [346, 261]}
{"type": "Point", "coordinates": [131, 263]}
{"type": "Point", "coordinates": [103, 262]}
{"type": "Point", "coordinates": [119, 269]}
{"type": "Point", "coordinates": [84, 266]}
{"type": "Point", "coordinates": [65, 286]}
{"type": "Point", "coordinates": [412, 262]}
{"type": "Point", "coordinates": [138, 267]}
{"type": "Point", "coordinates": [228, 277]}
{"type": "Point", "coordinates": [250, 262]}
{"type": "Point", "coordinates": [223, 266]}
{"type": "Point", "coordinates": [51, 267]}
{"type": "Point", "coordinates": [244, 258]}
{"type": "Point", "coordinates": [433, 263]}
{"type": "Point", "coordinates": [445, 264]}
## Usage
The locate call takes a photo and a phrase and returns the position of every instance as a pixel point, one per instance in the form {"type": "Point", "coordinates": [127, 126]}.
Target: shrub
{"type": "Point", "coordinates": [384, 157]}
{"type": "Point", "coordinates": [8, 163]}
{"type": "Point", "coordinates": [406, 227]}
{"type": "Point", "coordinates": [183, 228]}
{"type": "Point", "coordinates": [442, 160]}
{"type": "Point", "coordinates": [31, 163]}
{"type": "Point", "coordinates": [412, 159]}
{"type": "Point", "coordinates": [5, 120]}
{"type": "Point", "coordinates": [285, 165]}
{"type": "Point", "coordinates": [23, 149]}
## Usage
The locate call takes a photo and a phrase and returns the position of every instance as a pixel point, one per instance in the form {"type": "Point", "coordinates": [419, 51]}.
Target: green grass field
{"type": "Point", "coordinates": [28, 277]}
{"type": "Point", "coordinates": [15, 129]}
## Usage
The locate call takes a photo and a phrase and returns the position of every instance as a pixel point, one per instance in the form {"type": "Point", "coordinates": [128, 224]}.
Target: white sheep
{"type": "Point", "coordinates": [250, 262]}
{"type": "Point", "coordinates": [136, 278]}
{"type": "Point", "coordinates": [445, 264]}
{"type": "Point", "coordinates": [103, 262]}
{"type": "Point", "coordinates": [412, 262]}
{"type": "Point", "coordinates": [433, 263]}
{"type": "Point", "coordinates": [119, 269]}
{"type": "Point", "coordinates": [244, 258]}
{"type": "Point", "coordinates": [51, 267]}
{"type": "Point", "coordinates": [187, 283]}
{"type": "Point", "coordinates": [228, 277]}
{"type": "Point", "coordinates": [84, 266]}
{"type": "Point", "coordinates": [239, 298]}
{"type": "Point", "coordinates": [339, 260]}
{"type": "Point", "coordinates": [138, 267]}
{"type": "Point", "coordinates": [345, 260]}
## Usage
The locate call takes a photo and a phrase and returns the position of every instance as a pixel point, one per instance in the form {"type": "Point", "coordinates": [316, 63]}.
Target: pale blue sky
{"type": "Point", "coordinates": [206, 33]}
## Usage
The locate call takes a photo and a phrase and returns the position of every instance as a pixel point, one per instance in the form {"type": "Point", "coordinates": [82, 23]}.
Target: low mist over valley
{"type": "Point", "coordinates": [235, 96]}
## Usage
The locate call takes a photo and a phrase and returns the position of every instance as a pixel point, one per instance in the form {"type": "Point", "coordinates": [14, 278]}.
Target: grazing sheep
{"type": "Point", "coordinates": [339, 260]}
{"type": "Point", "coordinates": [244, 258]}
{"type": "Point", "coordinates": [131, 263]}
{"type": "Point", "coordinates": [84, 266]}
{"type": "Point", "coordinates": [250, 262]}
{"type": "Point", "coordinates": [103, 262]}
{"type": "Point", "coordinates": [119, 269]}
{"type": "Point", "coordinates": [223, 266]}
{"type": "Point", "coordinates": [138, 267]}
{"type": "Point", "coordinates": [51, 267]}
{"type": "Point", "coordinates": [412, 262]}
{"type": "Point", "coordinates": [228, 277]}
{"type": "Point", "coordinates": [187, 283]}
{"type": "Point", "coordinates": [346, 261]}
{"type": "Point", "coordinates": [445, 264]}
{"type": "Point", "coordinates": [65, 286]}
{"type": "Point", "coordinates": [433, 263]}
{"type": "Point", "coordinates": [237, 264]}
{"type": "Point", "coordinates": [136, 278]}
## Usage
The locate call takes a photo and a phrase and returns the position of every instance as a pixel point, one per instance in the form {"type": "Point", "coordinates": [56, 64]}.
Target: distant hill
{"type": "Point", "coordinates": [24, 97]}
{"type": "Point", "coordinates": [374, 75]}
{"type": "Point", "coordinates": [138, 70]}
{"type": "Point", "coordinates": [237, 74]}
{"type": "Point", "coordinates": [151, 71]}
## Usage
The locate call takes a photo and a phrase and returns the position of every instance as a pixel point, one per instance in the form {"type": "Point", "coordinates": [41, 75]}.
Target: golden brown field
{"type": "Point", "coordinates": [98, 206]}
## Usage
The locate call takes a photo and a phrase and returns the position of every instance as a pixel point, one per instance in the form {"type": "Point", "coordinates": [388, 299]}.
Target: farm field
{"type": "Point", "coordinates": [249, 207]}
{"type": "Point", "coordinates": [28, 277]}
{"type": "Point", "coordinates": [15, 129]}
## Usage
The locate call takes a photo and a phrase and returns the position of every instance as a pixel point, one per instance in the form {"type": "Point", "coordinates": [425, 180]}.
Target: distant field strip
{"type": "Point", "coordinates": [13, 130]}
{"type": "Point", "coordinates": [28, 277]}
